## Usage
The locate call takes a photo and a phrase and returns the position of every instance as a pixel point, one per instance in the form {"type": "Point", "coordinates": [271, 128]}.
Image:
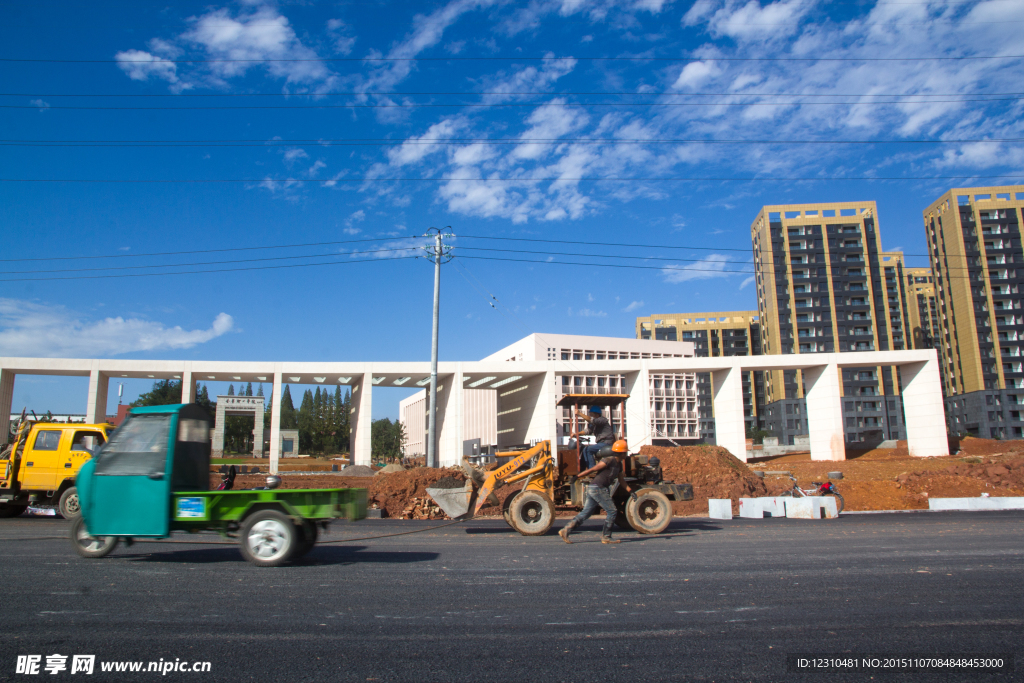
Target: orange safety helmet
{"type": "Point", "coordinates": [620, 446]}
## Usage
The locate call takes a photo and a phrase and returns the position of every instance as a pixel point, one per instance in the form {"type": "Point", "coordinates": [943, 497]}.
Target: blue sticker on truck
{"type": "Point", "coordinates": [191, 507]}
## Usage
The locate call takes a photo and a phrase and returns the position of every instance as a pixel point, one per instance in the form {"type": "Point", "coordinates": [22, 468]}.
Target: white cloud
{"type": "Point", "coordinates": [709, 267]}
{"type": "Point", "coordinates": [43, 106]}
{"type": "Point", "coordinates": [356, 217]}
{"type": "Point", "coordinates": [695, 74]}
{"type": "Point", "coordinates": [291, 155]}
{"type": "Point", "coordinates": [746, 282]}
{"type": "Point", "coordinates": [750, 20]}
{"type": "Point", "coordinates": [588, 313]}
{"type": "Point", "coordinates": [315, 168]}
{"type": "Point", "coordinates": [140, 66]}
{"type": "Point", "coordinates": [633, 306]}
{"type": "Point", "coordinates": [31, 329]}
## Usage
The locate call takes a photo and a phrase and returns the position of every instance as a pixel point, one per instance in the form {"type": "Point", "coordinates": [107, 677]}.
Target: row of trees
{"type": "Point", "coordinates": [322, 418]}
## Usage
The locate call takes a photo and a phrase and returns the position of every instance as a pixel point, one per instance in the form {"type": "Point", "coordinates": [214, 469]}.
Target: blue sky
{"type": "Point", "coordinates": [498, 120]}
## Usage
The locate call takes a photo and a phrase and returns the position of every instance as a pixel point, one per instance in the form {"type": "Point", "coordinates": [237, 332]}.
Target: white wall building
{"type": "Point", "coordinates": [527, 390]}
{"type": "Point", "coordinates": [495, 416]}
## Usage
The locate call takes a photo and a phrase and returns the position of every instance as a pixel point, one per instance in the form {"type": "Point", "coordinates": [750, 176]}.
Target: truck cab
{"type": "Point", "coordinates": [40, 468]}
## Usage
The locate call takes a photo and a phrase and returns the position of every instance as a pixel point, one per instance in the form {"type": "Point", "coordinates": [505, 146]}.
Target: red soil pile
{"type": "Point", "coordinates": [714, 473]}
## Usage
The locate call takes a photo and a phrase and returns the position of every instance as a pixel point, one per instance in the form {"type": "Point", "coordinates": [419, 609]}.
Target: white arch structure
{"type": "Point", "coordinates": [526, 392]}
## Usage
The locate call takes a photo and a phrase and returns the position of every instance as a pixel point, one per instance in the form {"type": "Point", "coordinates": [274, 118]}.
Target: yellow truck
{"type": "Point", "coordinates": [40, 466]}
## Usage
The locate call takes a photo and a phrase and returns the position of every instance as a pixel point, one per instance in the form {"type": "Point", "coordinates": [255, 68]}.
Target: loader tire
{"type": "Point", "coordinates": [532, 513]}
{"type": "Point", "coordinates": [650, 512]}
{"type": "Point", "coordinates": [68, 505]}
{"type": "Point", "coordinates": [505, 507]}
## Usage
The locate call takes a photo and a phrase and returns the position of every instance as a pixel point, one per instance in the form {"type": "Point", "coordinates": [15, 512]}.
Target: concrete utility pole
{"type": "Point", "coordinates": [438, 251]}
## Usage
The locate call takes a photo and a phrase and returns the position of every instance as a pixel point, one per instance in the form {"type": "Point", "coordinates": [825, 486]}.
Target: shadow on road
{"type": "Point", "coordinates": [320, 555]}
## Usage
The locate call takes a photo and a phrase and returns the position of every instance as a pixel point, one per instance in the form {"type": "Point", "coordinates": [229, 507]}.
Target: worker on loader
{"type": "Point", "coordinates": [600, 428]}
{"type": "Point", "coordinates": [599, 491]}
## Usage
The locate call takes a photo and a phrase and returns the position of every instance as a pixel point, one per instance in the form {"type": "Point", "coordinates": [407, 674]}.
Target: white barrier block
{"type": "Point", "coordinates": [720, 508]}
{"type": "Point", "coordinates": [827, 504]}
{"type": "Point", "coordinates": [751, 508]}
{"type": "Point", "coordinates": [802, 508]}
{"type": "Point", "coordinates": [756, 508]}
{"type": "Point", "coordinates": [1005, 503]}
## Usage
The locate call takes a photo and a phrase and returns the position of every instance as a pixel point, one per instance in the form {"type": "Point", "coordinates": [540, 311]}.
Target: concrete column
{"type": "Point", "coordinates": [639, 429]}
{"type": "Point", "coordinates": [6, 399]}
{"type": "Point", "coordinates": [188, 384]}
{"type": "Point", "coordinates": [450, 420]}
{"type": "Point", "coordinates": [542, 418]}
{"type": "Point", "coordinates": [727, 398]}
{"type": "Point", "coordinates": [275, 423]}
{"type": "Point", "coordinates": [360, 445]}
{"type": "Point", "coordinates": [822, 389]}
{"type": "Point", "coordinates": [257, 433]}
{"type": "Point", "coordinates": [922, 404]}
{"type": "Point", "coordinates": [96, 408]}
{"type": "Point", "coordinates": [218, 432]}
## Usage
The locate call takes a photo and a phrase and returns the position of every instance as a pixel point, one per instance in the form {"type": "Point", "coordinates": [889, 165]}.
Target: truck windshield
{"type": "Point", "coordinates": [138, 447]}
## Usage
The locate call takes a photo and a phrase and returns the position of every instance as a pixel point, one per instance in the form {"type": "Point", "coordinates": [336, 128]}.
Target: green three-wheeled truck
{"type": "Point", "coordinates": [153, 477]}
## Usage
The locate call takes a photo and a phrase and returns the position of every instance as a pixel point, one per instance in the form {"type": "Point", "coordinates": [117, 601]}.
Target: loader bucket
{"type": "Point", "coordinates": [456, 503]}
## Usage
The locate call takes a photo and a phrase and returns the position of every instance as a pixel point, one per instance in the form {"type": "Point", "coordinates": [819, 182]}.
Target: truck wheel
{"type": "Point", "coordinates": [308, 533]}
{"type": "Point", "coordinates": [88, 545]}
{"type": "Point", "coordinates": [532, 513]}
{"type": "Point", "coordinates": [68, 505]}
{"type": "Point", "coordinates": [650, 512]}
{"type": "Point", "coordinates": [268, 538]}
{"type": "Point", "coordinates": [11, 510]}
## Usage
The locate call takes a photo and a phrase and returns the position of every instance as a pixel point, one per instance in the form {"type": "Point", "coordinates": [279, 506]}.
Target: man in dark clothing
{"type": "Point", "coordinates": [599, 491]}
{"type": "Point", "coordinates": [600, 428]}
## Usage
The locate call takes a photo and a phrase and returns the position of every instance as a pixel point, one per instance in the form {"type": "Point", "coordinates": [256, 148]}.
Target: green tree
{"type": "Point", "coordinates": [231, 390]}
{"type": "Point", "coordinates": [387, 440]}
{"type": "Point", "coordinates": [306, 422]}
{"type": "Point", "coordinates": [203, 399]}
{"type": "Point", "coordinates": [259, 391]}
{"type": "Point", "coordinates": [248, 389]}
{"type": "Point", "coordinates": [289, 417]}
{"type": "Point", "coordinates": [164, 392]}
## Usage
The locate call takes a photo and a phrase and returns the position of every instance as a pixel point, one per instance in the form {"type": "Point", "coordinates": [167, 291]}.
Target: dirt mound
{"type": "Point", "coordinates": [358, 471]}
{"type": "Point", "coordinates": [449, 483]}
{"type": "Point", "coordinates": [714, 473]}
{"type": "Point", "coordinates": [395, 491]}
{"type": "Point", "coordinates": [388, 469]}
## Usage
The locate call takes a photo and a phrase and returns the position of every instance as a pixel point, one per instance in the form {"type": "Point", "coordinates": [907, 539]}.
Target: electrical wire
{"type": "Point", "coordinates": [517, 58]}
{"type": "Point", "coordinates": [216, 270]}
{"type": "Point", "coordinates": [369, 142]}
{"type": "Point", "coordinates": [492, 105]}
{"type": "Point", "coordinates": [417, 93]}
{"type": "Point", "coordinates": [524, 180]}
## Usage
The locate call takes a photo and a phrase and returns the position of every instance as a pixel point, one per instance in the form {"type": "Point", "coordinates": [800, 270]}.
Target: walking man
{"type": "Point", "coordinates": [600, 428]}
{"type": "Point", "coordinates": [599, 491]}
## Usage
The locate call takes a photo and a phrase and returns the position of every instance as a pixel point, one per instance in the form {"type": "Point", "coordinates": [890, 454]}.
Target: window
{"type": "Point", "coordinates": [287, 446]}
{"type": "Point", "coordinates": [87, 441]}
{"type": "Point", "coordinates": [47, 440]}
{"type": "Point", "coordinates": [137, 448]}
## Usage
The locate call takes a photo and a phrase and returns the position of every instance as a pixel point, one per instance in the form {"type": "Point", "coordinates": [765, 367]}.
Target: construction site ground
{"type": "Point", "coordinates": [880, 479]}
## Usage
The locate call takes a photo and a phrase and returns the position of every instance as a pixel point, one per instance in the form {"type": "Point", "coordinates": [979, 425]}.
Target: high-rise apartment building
{"type": "Point", "coordinates": [974, 242]}
{"type": "Point", "coordinates": [922, 308]}
{"type": "Point", "coordinates": [724, 333]}
{"type": "Point", "coordinates": [824, 285]}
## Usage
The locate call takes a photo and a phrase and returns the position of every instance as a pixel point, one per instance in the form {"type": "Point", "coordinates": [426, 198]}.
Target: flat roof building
{"type": "Point", "coordinates": [824, 285]}
{"type": "Point", "coordinates": [974, 243]}
{"type": "Point", "coordinates": [720, 333]}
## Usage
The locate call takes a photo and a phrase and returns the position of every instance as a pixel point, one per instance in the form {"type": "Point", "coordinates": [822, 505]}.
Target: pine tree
{"type": "Point", "coordinates": [306, 421]}
{"type": "Point", "coordinates": [231, 390]}
{"type": "Point", "coordinates": [289, 420]}
{"type": "Point", "coordinates": [248, 389]}
{"type": "Point", "coordinates": [259, 391]}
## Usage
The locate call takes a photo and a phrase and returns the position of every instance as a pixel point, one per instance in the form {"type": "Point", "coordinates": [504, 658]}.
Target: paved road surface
{"type": "Point", "coordinates": [708, 600]}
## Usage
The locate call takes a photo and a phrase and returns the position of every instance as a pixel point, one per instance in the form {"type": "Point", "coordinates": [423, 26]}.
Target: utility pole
{"type": "Point", "coordinates": [437, 252]}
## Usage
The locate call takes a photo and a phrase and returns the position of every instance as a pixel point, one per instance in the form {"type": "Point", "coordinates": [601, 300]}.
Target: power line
{"type": "Point", "coordinates": [410, 93]}
{"type": "Point", "coordinates": [525, 180]}
{"type": "Point", "coordinates": [495, 105]}
{"type": "Point", "coordinates": [384, 142]}
{"type": "Point", "coordinates": [517, 58]}
{"type": "Point", "coordinates": [206, 251]}
{"type": "Point", "coordinates": [217, 270]}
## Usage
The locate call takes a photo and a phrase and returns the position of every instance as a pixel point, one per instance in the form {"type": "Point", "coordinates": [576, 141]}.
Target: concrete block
{"type": "Point", "coordinates": [827, 506]}
{"type": "Point", "coordinates": [802, 508]}
{"type": "Point", "coordinates": [758, 508]}
{"type": "Point", "coordinates": [1006, 503]}
{"type": "Point", "coordinates": [802, 441]}
{"type": "Point", "coordinates": [720, 508]}
{"type": "Point", "coordinates": [770, 441]}
{"type": "Point", "coordinates": [888, 443]}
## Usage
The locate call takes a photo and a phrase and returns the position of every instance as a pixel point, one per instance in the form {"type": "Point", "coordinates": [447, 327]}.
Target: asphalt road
{"type": "Point", "coordinates": [708, 600]}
